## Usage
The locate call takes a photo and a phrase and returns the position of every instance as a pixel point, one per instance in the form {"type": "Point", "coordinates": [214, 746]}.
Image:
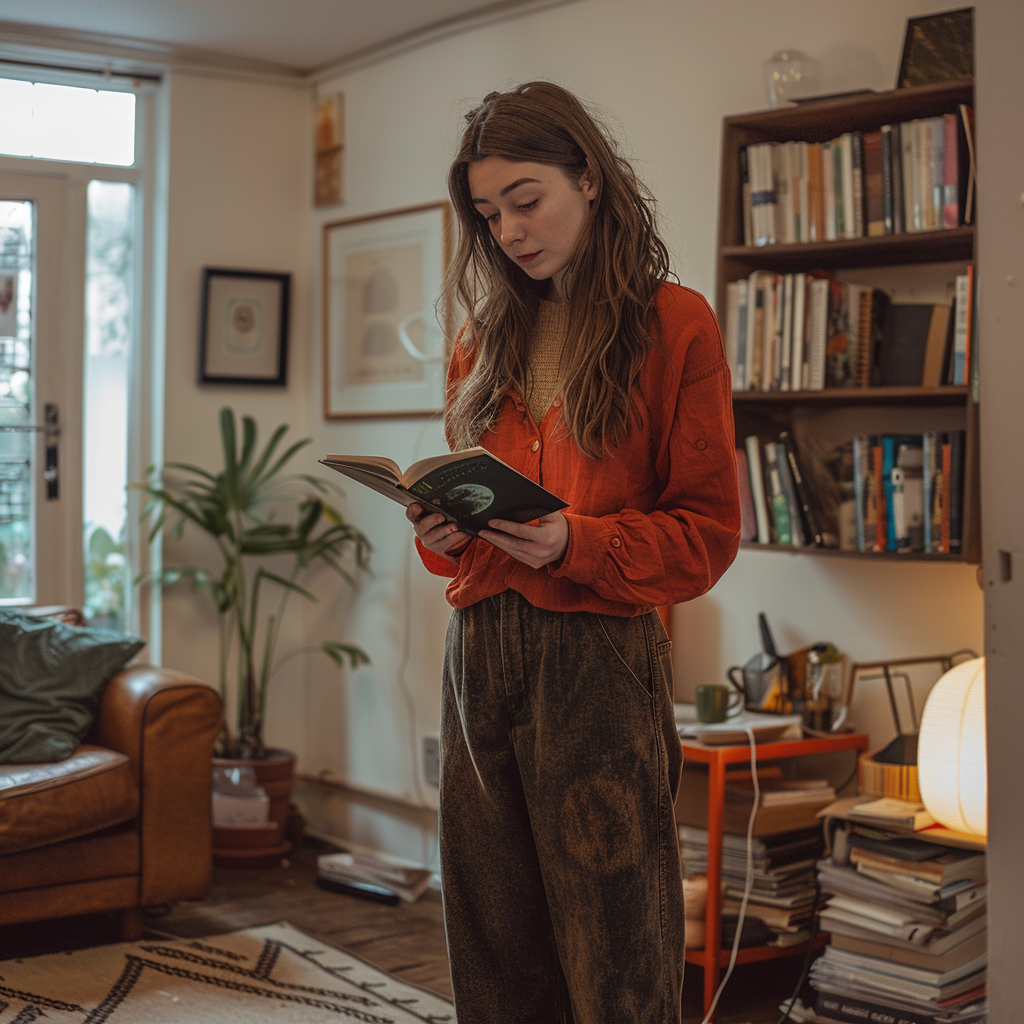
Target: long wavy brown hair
{"type": "Point", "coordinates": [610, 282]}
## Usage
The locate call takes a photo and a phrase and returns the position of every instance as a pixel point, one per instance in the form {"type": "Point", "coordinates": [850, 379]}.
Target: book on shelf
{"type": "Point", "coordinates": [778, 507]}
{"type": "Point", "coordinates": [967, 950]}
{"type": "Point", "coordinates": [748, 517]}
{"type": "Point", "coordinates": [878, 900]}
{"type": "Point", "coordinates": [889, 811]}
{"type": "Point", "coordinates": [912, 345]}
{"type": "Point", "coordinates": [933, 941]}
{"type": "Point", "coordinates": [468, 488]}
{"type": "Point", "coordinates": [775, 496]}
{"type": "Point", "coordinates": [748, 231]}
{"type": "Point", "coordinates": [942, 867]}
{"type": "Point", "coordinates": [957, 455]}
{"type": "Point", "coordinates": [691, 809]}
{"type": "Point", "coordinates": [839, 974]}
{"type": "Point", "coordinates": [926, 513]}
{"type": "Point", "coordinates": [874, 183]}
{"type": "Point", "coordinates": [963, 322]}
{"type": "Point", "coordinates": [809, 520]}
{"type": "Point", "coordinates": [756, 471]}
{"type": "Point", "coordinates": [769, 853]}
{"type": "Point", "coordinates": [779, 919]}
{"type": "Point", "coordinates": [845, 1009]}
{"type": "Point", "coordinates": [909, 176]}
{"type": "Point", "coordinates": [773, 792]}
{"type": "Point", "coordinates": [809, 331]}
{"type": "Point", "coordinates": [943, 981]}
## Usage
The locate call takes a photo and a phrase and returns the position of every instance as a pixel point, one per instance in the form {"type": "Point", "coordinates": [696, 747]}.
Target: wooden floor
{"type": "Point", "coordinates": [407, 940]}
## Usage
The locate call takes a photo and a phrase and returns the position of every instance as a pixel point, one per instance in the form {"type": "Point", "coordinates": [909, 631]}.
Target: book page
{"type": "Point", "coordinates": [380, 466]}
{"type": "Point", "coordinates": [425, 467]}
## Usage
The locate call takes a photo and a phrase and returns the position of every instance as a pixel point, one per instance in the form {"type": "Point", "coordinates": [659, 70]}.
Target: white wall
{"type": "Point", "coordinates": [665, 73]}
{"type": "Point", "coordinates": [239, 188]}
{"type": "Point", "coordinates": [1000, 85]}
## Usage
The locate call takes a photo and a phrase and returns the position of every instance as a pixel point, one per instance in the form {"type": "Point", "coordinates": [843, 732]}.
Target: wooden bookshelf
{"type": "Point", "coordinates": [817, 418]}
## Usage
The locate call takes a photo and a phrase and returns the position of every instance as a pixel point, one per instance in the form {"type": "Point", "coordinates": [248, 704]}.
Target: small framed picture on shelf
{"type": "Point", "coordinates": [243, 327]}
{"type": "Point", "coordinates": [384, 347]}
{"type": "Point", "coordinates": [938, 48]}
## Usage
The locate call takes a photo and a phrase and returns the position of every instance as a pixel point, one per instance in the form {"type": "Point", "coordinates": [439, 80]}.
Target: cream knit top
{"type": "Point", "coordinates": [546, 343]}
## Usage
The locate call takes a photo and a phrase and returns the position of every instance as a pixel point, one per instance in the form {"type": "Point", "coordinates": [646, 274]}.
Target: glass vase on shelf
{"type": "Point", "coordinates": [790, 75]}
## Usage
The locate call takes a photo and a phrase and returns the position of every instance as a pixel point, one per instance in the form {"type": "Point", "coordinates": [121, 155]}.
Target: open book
{"type": "Point", "coordinates": [468, 488]}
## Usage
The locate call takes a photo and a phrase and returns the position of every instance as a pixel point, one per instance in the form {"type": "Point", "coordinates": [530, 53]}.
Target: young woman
{"type": "Point", "coordinates": [582, 367]}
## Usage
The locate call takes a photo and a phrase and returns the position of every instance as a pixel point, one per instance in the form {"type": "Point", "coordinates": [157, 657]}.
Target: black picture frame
{"type": "Point", "coordinates": [243, 327]}
{"type": "Point", "coordinates": [938, 48]}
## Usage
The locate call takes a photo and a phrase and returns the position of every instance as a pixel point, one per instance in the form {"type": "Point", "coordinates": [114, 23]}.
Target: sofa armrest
{"type": "Point", "coordinates": [166, 723]}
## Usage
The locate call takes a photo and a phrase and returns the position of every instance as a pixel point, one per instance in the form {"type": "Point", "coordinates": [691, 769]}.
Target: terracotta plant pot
{"type": "Point", "coordinates": [256, 846]}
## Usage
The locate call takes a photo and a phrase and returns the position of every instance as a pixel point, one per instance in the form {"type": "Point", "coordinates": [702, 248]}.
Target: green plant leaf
{"type": "Point", "coordinates": [228, 447]}
{"type": "Point", "coordinates": [287, 455]}
{"type": "Point", "coordinates": [248, 443]}
{"type": "Point", "coordinates": [339, 652]}
{"type": "Point", "coordinates": [286, 583]}
{"type": "Point", "coordinates": [275, 440]}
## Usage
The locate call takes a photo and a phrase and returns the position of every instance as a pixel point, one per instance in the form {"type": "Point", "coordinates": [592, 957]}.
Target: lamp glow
{"type": "Point", "coordinates": [952, 765]}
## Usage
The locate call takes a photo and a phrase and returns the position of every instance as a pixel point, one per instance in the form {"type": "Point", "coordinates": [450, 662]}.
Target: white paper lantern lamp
{"type": "Point", "coordinates": [952, 764]}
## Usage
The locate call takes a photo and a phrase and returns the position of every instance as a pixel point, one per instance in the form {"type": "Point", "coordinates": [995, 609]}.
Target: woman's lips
{"type": "Point", "coordinates": [528, 257]}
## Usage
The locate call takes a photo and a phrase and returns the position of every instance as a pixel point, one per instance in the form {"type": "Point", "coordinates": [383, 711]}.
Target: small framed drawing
{"type": "Point", "coordinates": [384, 350]}
{"type": "Point", "coordinates": [938, 48]}
{"type": "Point", "coordinates": [243, 327]}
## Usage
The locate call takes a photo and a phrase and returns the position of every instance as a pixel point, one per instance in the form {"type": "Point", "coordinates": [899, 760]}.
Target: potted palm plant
{"type": "Point", "coordinates": [271, 530]}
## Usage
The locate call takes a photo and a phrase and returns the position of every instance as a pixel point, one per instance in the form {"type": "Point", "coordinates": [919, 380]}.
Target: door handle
{"type": "Point", "coordinates": [51, 434]}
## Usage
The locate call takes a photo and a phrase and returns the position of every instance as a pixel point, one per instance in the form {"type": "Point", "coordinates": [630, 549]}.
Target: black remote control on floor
{"type": "Point", "coordinates": [364, 890]}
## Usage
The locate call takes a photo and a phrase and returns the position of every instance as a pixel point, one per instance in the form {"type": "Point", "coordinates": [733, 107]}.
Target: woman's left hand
{"type": "Point", "coordinates": [535, 545]}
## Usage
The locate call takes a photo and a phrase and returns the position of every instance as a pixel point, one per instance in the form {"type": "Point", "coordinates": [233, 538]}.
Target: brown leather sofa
{"type": "Point", "coordinates": [124, 822]}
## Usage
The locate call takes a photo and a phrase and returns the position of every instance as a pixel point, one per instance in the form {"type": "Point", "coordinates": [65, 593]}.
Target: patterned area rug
{"type": "Point", "coordinates": [269, 974]}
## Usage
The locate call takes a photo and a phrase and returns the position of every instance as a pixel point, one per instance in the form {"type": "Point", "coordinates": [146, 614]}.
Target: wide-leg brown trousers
{"type": "Point", "coordinates": [559, 859]}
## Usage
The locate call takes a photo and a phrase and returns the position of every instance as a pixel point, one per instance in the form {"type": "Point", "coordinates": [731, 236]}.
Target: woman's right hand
{"type": "Point", "coordinates": [436, 534]}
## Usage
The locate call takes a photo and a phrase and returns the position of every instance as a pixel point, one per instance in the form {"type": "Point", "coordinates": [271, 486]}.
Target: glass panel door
{"type": "Point", "coordinates": [17, 560]}
{"type": "Point", "coordinates": [40, 394]}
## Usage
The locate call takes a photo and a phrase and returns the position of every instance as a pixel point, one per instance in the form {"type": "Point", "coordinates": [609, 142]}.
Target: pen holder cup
{"type": "Point", "coordinates": [764, 683]}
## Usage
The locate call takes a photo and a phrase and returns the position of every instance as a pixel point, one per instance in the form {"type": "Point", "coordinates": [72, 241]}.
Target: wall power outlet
{"type": "Point", "coordinates": [432, 761]}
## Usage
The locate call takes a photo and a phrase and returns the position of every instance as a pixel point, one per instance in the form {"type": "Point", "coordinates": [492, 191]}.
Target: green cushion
{"type": "Point", "coordinates": [52, 677]}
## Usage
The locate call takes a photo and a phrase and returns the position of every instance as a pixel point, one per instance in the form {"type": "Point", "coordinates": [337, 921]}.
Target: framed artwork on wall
{"type": "Point", "coordinates": [384, 349]}
{"type": "Point", "coordinates": [243, 327]}
{"type": "Point", "coordinates": [938, 48]}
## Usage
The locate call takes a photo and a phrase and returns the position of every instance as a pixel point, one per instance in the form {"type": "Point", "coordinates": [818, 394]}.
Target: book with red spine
{"type": "Point", "coordinates": [950, 173]}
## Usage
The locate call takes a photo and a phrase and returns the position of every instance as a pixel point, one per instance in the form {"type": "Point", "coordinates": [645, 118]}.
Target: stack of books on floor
{"type": "Point", "coordinates": [785, 804]}
{"type": "Point", "coordinates": [781, 901]}
{"type": "Point", "coordinates": [907, 920]}
{"type": "Point", "coordinates": [371, 878]}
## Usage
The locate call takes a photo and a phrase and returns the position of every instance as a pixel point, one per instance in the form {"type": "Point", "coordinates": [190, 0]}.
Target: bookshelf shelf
{"type": "Point", "coordinates": [819, 421]}
{"type": "Point", "coordinates": [949, 245]}
{"type": "Point", "coordinates": [885, 556]}
{"type": "Point", "coordinates": [947, 395]}
{"type": "Point", "coordinates": [752, 954]}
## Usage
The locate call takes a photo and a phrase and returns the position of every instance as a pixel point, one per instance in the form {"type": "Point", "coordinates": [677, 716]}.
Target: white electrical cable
{"type": "Point", "coordinates": [748, 887]}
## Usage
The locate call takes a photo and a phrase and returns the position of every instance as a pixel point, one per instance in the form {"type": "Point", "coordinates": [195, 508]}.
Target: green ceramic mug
{"type": "Point", "coordinates": [715, 703]}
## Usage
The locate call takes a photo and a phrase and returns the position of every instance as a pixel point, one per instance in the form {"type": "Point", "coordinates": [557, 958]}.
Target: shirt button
{"type": "Point", "coordinates": [700, 445]}
{"type": "Point", "coordinates": [558, 402]}
{"type": "Point", "coordinates": [616, 543]}
{"type": "Point", "coordinates": [535, 446]}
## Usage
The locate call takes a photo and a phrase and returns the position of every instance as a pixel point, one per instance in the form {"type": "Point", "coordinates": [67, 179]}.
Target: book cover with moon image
{"type": "Point", "coordinates": [469, 488]}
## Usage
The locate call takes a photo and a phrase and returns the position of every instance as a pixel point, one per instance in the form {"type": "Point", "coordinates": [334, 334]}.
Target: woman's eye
{"type": "Point", "coordinates": [529, 205]}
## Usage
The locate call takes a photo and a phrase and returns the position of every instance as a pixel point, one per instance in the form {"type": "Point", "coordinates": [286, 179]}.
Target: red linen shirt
{"type": "Point", "coordinates": [656, 521]}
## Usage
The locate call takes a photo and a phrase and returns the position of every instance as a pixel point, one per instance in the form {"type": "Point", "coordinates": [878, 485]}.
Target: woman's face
{"type": "Point", "coordinates": [535, 213]}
